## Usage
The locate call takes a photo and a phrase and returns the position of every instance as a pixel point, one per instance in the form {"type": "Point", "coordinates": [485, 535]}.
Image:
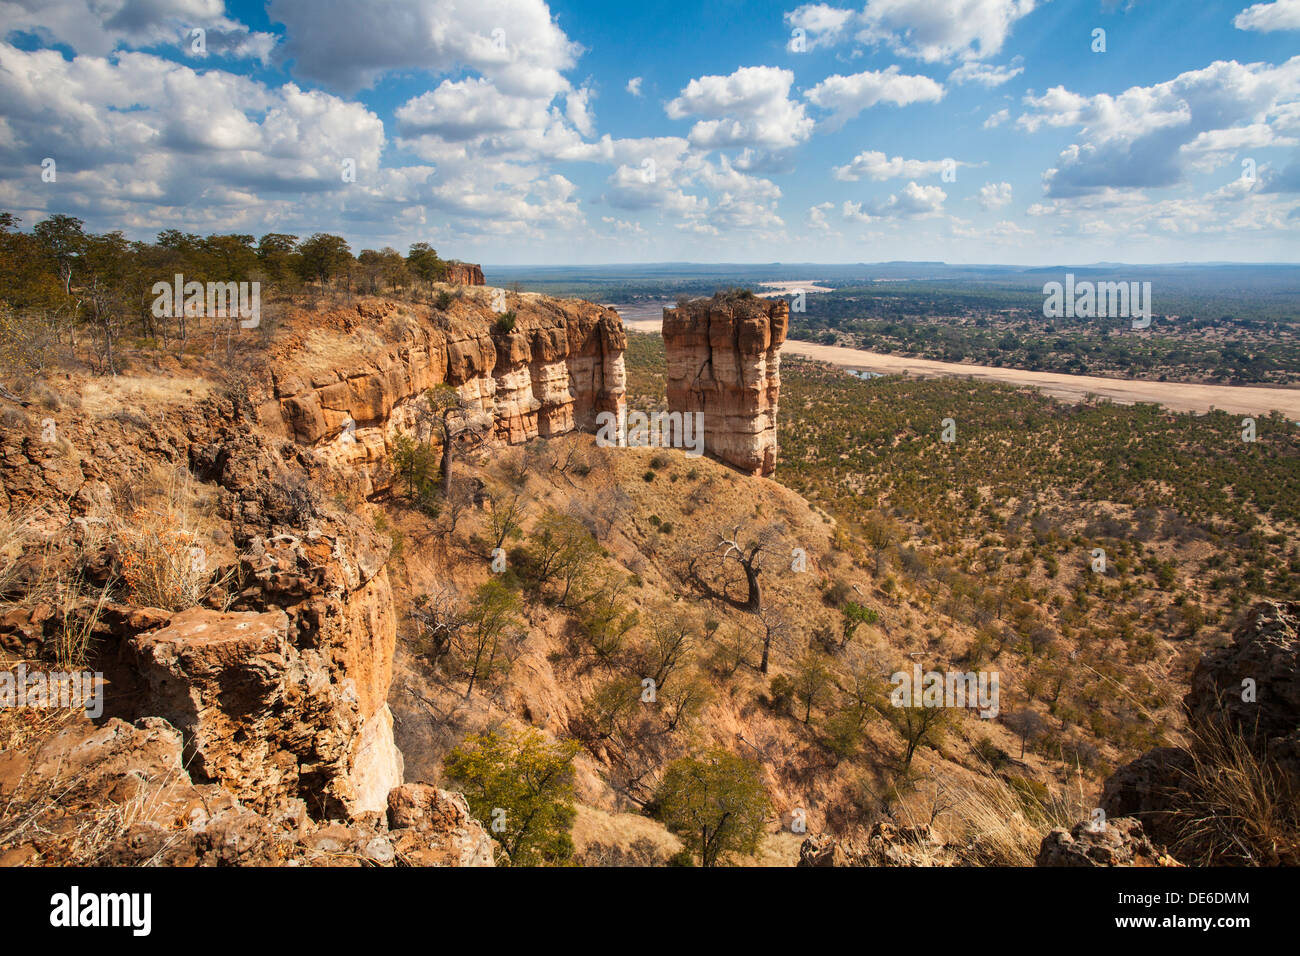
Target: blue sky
{"type": "Point", "coordinates": [517, 131]}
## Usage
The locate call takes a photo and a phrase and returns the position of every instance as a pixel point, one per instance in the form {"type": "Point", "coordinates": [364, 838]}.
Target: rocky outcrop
{"type": "Point", "coordinates": [549, 371]}
{"type": "Point", "coordinates": [1118, 842]}
{"type": "Point", "coordinates": [888, 844]}
{"type": "Point", "coordinates": [119, 795]}
{"type": "Point", "coordinates": [1244, 700]}
{"type": "Point", "coordinates": [463, 273]}
{"type": "Point", "coordinates": [724, 360]}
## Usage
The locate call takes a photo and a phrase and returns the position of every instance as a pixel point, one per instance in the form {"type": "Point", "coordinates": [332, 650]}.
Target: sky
{"type": "Point", "coordinates": [580, 132]}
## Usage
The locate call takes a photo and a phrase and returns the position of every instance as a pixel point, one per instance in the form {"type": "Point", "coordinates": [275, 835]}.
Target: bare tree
{"type": "Point", "coordinates": [454, 418]}
{"type": "Point", "coordinates": [752, 551]}
{"type": "Point", "coordinates": [438, 618]}
{"type": "Point", "coordinates": [776, 630]}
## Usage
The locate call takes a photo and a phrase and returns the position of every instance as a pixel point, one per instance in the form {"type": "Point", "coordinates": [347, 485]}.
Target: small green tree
{"type": "Point", "coordinates": [492, 616]}
{"type": "Point", "coordinates": [521, 787]}
{"type": "Point", "coordinates": [852, 616]}
{"type": "Point", "coordinates": [812, 680]}
{"type": "Point", "coordinates": [716, 803]}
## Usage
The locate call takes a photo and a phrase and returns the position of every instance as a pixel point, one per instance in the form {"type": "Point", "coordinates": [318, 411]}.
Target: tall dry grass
{"type": "Point", "coordinates": [1236, 806]}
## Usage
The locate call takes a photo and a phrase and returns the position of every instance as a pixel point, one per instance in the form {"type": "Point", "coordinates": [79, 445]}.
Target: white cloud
{"type": "Point", "coordinates": [1267, 17]}
{"type": "Point", "coordinates": [875, 165]}
{"type": "Point", "coordinates": [822, 25]}
{"type": "Point", "coordinates": [816, 218]}
{"type": "Point", "coordinates": [847, 96]}
{"type": "Point", "coordinates": [994, 195]}
{"type": "Point", "coordinates": [141, 140]}
{"type": "Point", "coordinates": [349, 45]}
{"type": "Point", "coordinates": [912, 202]}
{"type": "Point", "coordinates": [750, 107]}
{"type": "Point", "coordinates": [997, 119]}
{"type": "Point", "coordinates": [1137, 138]}
{"type": "Point", "coordinates": [634, 86]}
{"type": "Point", "coordinates": [986, 74]}
{"type": "Point", "coordinates": [942, 30]}
{"type": "Point", "coordinates": [98, 27]}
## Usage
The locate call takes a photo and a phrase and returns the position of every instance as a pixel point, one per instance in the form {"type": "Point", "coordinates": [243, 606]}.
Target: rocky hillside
{"type": "Point", "coordinates": [276, 561]}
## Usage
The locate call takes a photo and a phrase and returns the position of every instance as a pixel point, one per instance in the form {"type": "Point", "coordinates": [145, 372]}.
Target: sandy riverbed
{"type": "Point", "coordinates": [1237, 399]}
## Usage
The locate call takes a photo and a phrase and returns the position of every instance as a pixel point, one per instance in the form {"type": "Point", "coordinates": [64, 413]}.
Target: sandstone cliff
{"type": "Point", "coordinates": [464, 273]}
{"type": "Point", "coordinates": [724, 359]}
{"type": "Point", "coordinates": [547, 371]}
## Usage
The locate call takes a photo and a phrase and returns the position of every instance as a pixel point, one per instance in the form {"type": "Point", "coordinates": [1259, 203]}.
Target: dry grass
{"type": "Point", "coordinates": [41, 809]}
{"type": "Point", "coordinates": [1236, 807]}
{"type": "Point", "coordinates": [166, 550]}
{"type": "Point", "coordinates": [103, 397]}
{"type": "Point", "coordinates": [16, 531]}
{"type": "Point", "coordinates": [1002, 822]}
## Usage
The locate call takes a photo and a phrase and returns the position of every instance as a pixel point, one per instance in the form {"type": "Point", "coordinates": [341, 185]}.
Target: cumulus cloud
{"type": "Point", "coordinates": [750, 107]}
{"type": "Point", "coordinates": [994, 195]}
{"type": "Point", "coordinates": [912, 202]}
{"type": "Point", "coordinates": [139, 137]}
{"type": "Point", "coordinates": [819, 24]}
{"type": "Point", "coordinates": [98, 27]}
{"type": "Point", "coordinates": [349, 45]}
{"type": "Point", "coordinates": [634, 86]}
{"type": "Point", "coordinates": [986, 74]}
{"type": "Point", "coordinates": [1267, 17]}
{"type": "Point", "coordinates": [1149, 136]}
{"type": "Point", "coordinates": [847, 96]}
{"type": "Point", "coordinates": [928, 30]}
{"type": "Point", "coordinates": [875, 165]}
{"type": "Point", "coordinates": [997, 119]}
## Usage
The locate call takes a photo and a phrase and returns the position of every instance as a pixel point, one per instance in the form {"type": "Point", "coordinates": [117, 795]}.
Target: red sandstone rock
{"type": "Point", "coordinates": [724, 359]}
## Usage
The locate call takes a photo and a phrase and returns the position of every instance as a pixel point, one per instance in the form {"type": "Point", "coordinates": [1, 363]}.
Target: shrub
{"type": "Point", "coordinates": [521, 786]}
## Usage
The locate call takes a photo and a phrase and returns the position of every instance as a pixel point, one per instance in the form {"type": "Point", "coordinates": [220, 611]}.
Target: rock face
{"type": "Point", "coordinates": [464, 273]}
{"type": "Point", "coordinates": [724, 359]}
{"type": "Point", "coordinates": [137, 772]}
{"type": "Point", "coordinates": [553, 371]}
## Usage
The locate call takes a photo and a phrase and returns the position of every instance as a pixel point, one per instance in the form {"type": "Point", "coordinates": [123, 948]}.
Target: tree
{"type": "Point", "coordinates": [853, 615]}
{"type": "Point", "coordinates": [505, 517]}
{"type": "Point", "coordinates": [63, 240]}
{"type": "Point", "coordinates": [668, 642]}
{"type": "Point", "coordinates": [560, 549]}
{"type": "Point", "coordinates": [424, 264]}
{"type": "Point", "coordinates": [812, 679]}
{"type": "Point", "coordinates": [917, 726]}
{"type": "Point", "coordinates": [439, 619]}
{"type": "Point", "coordinates": [716, 803]}
{"type": "Point", "coordinates": [492, 616]}
{"type": "Point", "coordinates": [521, 786]}
{"type": "Point", "coordinates": [450, 415]}
{"type": "Point", "coordinates": [323, 256]}
{"type": "Point", "coordinates": [277, 253]}
{"type": "Point", "coordinates": [749, 552]}
{"type": "Point", "coordinates": [776, 629]}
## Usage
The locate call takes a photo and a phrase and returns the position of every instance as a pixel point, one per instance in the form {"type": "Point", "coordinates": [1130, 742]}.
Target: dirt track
{"type": "Point", "coordinates": [1237, 399]}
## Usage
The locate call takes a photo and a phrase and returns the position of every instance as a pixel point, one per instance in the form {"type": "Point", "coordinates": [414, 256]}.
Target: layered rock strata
{"type": "Point", "coordinates": [724, 360]}
{"type": "Point", "coordinates": [550, 371]}
{"type": "Point", "coordinates": [464, 273]}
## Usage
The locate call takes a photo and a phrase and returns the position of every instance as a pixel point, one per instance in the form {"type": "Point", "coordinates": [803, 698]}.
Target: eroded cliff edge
{"type": "Point", "coordinates": [541, 367]}
{"type": "Point", "coordinates": [724, 360]}
{"type": "Point", "coordinates": [276, 683]}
